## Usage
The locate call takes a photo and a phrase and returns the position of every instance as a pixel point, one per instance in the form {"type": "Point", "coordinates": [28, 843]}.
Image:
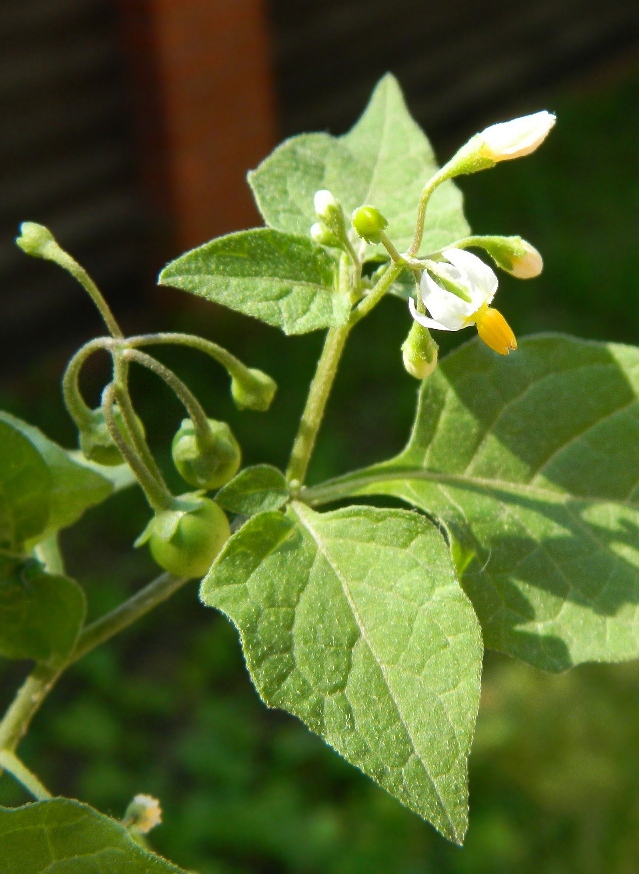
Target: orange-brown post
{"type": "Point", "coordinates": [205, 108]}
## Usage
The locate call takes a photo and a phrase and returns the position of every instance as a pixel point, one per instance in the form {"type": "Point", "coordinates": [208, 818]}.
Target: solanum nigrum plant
{"type": "Point", "coordinates": [520, 485]}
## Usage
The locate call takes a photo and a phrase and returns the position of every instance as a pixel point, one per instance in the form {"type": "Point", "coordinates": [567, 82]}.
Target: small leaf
{"type": "Point", "coordinates": [74, 487]}
{"type": "Point", "coordinates": [254, 490]}
{"type": "Point", "coordinates": [40, 614]}
{"type": "Point", "coordinates": [284, 280]}
{"type": "Point", "coordinates": [384, 161]}
{"type": "Point", "coordinates": [65, 837]}
{"type": "Point", "coordinates": [25, 489]}
{"type": "Point", "coordinates": [532, 463]}
{"type": "Point", "coordinates": [354, 622]}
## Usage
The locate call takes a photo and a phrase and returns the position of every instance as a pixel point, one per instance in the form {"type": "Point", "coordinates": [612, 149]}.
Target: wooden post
{"type": "Point", "coordinates": [204, 109]}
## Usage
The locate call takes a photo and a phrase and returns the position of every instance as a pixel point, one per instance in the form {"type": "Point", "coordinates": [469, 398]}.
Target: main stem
{"type": "Point", "coordinates": [316, 404]}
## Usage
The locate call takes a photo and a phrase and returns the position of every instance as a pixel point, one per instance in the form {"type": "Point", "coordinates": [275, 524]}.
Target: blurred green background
{"type": "Point", "coordinates": [168, 709]}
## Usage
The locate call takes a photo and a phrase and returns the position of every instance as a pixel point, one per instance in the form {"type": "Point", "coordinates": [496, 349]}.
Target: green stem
{"type": "Point", "coordinates": [63, 259]}
{"type": "Point", "coordinates": [39, 683]}
{"type": "Point", "coordinates": [49, 553]}
{"type": "Point", "coordinates": [203, 433]}
{"type": "Point", "coordinates": [316, 404]}
{"type": "Point", "coordinates": [78, 409]}
{"type": "Point", "coordinates": [376, 293]}
{"type": "Point", "coordinates": [228, 361]}
{"type": "Point", "coordinates": [11, 763]}
{"type": "Point", "coordinates": [135, 432]}
{"type": "Point", "coordinates": [439, 177]}
{"type": "Point", "coordinates": [157, 495]}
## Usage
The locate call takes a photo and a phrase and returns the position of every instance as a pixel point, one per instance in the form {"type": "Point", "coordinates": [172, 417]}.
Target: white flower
{"type": "Point", "coordinates": [450, 312]}
{"type": "Point", "coordinates": [516, 138]}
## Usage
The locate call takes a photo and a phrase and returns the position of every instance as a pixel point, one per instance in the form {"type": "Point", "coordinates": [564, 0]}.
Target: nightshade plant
{"type": "Point", "coordinates": [520, 480]}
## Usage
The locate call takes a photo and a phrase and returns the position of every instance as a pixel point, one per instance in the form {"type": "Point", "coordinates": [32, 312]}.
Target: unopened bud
{"type": "Point", "coordinates": [419, 352]}
{"type": "Point", "coordinates": [38, 241]}
{"type": "Point", "coordinates": [512, 254]}
{"type": "Point", "coordinates": [369, 223]}
{"type": "Point", "coordinates": [330, 213]}
{"type": "Point", "coordinates": [516, 138]}
{"type": "Point", "coordinates": [320, 234]}
{"type": "Point", "coordinates": [142, 814]}
{"type": "Point", "coordinates": [254, 391]}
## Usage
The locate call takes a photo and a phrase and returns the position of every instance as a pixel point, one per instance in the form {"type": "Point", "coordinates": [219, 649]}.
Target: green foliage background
{"type": "Point", "coordinates": [168, 709]}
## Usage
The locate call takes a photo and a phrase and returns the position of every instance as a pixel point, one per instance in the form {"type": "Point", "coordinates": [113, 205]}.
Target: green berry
{"type": "Point", "coordinates": [193, 542]}
{"type": "Point", "coordinates": [210, 466]}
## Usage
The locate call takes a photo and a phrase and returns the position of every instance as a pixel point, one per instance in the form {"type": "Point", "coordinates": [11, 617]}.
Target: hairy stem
{"type": "Point", "coordinates": [316, 404]}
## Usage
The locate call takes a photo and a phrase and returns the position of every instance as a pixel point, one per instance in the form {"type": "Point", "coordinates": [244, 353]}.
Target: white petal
{"type": "Point", "coordinates": [518, 137]}
{"type": "Point", "coordinates": [444, 306]}
{"type": "Point", "coordinates": [424, 320]}
{"type": "Point", "coordinates": [480, 280]}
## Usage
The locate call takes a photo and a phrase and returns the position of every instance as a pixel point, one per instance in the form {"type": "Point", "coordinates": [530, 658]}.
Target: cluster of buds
{"type": "Point", "coordinates": [456, 288]}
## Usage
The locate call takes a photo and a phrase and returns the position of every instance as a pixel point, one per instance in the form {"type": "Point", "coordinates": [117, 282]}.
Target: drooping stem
{"type": "Point", "coordinates": [228, 361]}
{"type": "Point", "coordinates": [316, 404]}
{"type": "Point", "coordinates": [11, 763]}
{"type": "Point", "coordinates": [203, 433]}
{"type": "Point", "coordinates": [439, 177]}
{"type": "Point", "coordinates": [78, 409]}
{"type": "Point", "coordinates": [156, 493]}
{"type": "Point", "coordinates": [63, 259]}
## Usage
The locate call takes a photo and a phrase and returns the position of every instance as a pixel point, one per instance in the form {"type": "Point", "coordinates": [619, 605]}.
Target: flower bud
{"type": "Point", "coordinates": [419, 352]}
{"type": "Point", "coordinates": [38, 241]}
{"type": "Point", "coordinates": [369, 223]}
{"type": "Point", "coordinates": [516, 138]}
{"type": "Point", "coordinates": [253, 392]}
{"type": "Point", "coordinates": [330, 213]}
{"type": "Point", "coordinates": [512, 254]}
{"type": "Point", "coordinates": [208, 466]}
{"type": "Point", "coordinates": [320, 234]}
{"type": "Point", "coordinates": [142, 814]}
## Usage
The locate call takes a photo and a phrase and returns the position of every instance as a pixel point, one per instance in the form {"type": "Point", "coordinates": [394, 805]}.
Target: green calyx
{"type": "Point", "coordinates": [253, 390]}
{"type": "Point", "coordinates": [369, 223]}
{"type": "Point", "coordinates": [95, 441]}
{"type": "Point", "coordinates": [206, 463]}
{"type": "Point", "coordinates": [186, 539]}
{"type": "Point", "coordinates": [419, 352]}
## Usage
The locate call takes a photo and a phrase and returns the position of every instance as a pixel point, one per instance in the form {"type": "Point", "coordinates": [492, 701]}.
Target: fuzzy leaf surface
{"type": "Point", "coordinates": [66, 837]}
{"type": "Point", "coordinates": [281, 279]}
{"type": "Point", "coordinates": [384, 160]}
{"type": "Point", "coordinates": [41, 614]}
{"type": "Point", "coordinates": [354, 621]}
{"type": "Point", "coordinates": [74, 487]}
{"type": "Point", "coordinates": [254, 490]}
{"type": "Point", "coordinates": [532, 462]}
{"type": "Point", "coordinates": [25, 489]}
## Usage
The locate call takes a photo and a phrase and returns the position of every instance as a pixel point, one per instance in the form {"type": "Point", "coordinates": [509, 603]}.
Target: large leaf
{"type": "Point", "coordinates": [66, 837]}
{"type": "Point", "coordinates": [25, 489]}
{"type": "Point", "coordinates": [74, 487]}
{"type": "Point", "coordinates": [385, 160]}
{"type": "Point", "coordinates": [40, 614]}
{"type": "Point", "coordinates": [532, 461]}
{"type": "Point", "coordinates": [284, 280]}
{"type": "Point", "coordinates": [354, 622]}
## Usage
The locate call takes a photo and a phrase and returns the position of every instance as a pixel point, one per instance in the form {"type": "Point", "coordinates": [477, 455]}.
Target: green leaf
{"type": "Point", "coordinates": [40, 614]}
{"type": "Point", "coordinates": [73, 487]}
{"type": "Point", "coordinates": [532, 462]}
{"type": "Point", "coordinates": [284, 280]}
{"type": "Point", "coordinates": [66, 837]}
{"type": "Point", "coordinates": [384, 161]}
{"type": "Point", "coordinates": [354, 622]}
{"type": "Point", "coordinates": [25, 489]}
{"type": "Point", "coordinates": [254, 490]}
{"type": "Point", "coordinates": [119, 475]}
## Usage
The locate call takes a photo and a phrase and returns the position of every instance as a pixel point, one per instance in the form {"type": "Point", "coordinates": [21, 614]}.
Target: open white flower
{"type": "Point", "coordinates": [450, 312]}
